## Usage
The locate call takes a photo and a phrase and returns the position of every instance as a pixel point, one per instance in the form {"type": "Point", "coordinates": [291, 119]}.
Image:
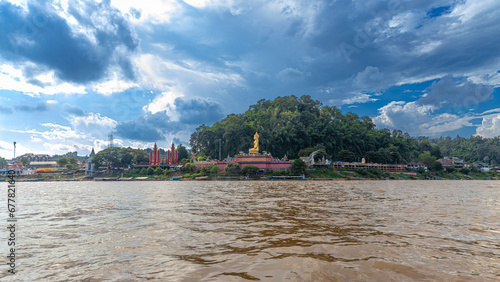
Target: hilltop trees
{"type": "Point", "coordinates": [473, 149]}
{"type": "Point", "coordinates": [70, 163]}
{"type": "Point", "coordinates": [120, 157]}
{"type": "Point", "coordinates": [290, 124]}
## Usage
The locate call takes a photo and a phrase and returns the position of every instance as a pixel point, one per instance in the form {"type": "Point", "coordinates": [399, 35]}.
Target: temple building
{"type": "Point", "coordinates": [155, 159]}
{"type": "Point", "coordinates": [154, 156]}
{"type": "Point", "coordinates": [172, 155]}
{"type": "Point", "coordinates": [263, 161]}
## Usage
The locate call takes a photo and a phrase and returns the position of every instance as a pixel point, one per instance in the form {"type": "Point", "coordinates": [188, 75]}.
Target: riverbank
{"type": "Point", "coordinates": [319, 174]}
{"type": "Point", "coordinates": [264, 179]}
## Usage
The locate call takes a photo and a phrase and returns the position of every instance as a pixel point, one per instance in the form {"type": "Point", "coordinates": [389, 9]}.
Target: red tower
{"type": "Point", "coordinates": [172, 155]}
{"type": "Point", "coordinates": [154, 156]}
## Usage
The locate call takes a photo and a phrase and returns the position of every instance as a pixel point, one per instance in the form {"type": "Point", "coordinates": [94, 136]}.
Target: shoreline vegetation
{"type": "Point", "coordinates": [317, 174]}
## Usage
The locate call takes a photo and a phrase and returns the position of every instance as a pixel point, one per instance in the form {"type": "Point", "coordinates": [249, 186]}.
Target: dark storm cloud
{"type": "Point", "coordinates": [456, 92]}
{"type": "Point", "coordinates": [74, 110]}
{"type": "Point", "coordinates": [148, 128]}
{"type": "Point", "coordinates": [40, 107]}
{"type": "Point", "coordinates": [198, 110]}
{"type": "Point", "coordinates": [5, 110]}
{"type": "Point", "coordinates": [153, 127]}
{"type": "Point", "coordinates": [134, 130]}
{"type": "Point", "coordinates": [40, 36]}
{"type": "Point", "coordinates": [407, 39]}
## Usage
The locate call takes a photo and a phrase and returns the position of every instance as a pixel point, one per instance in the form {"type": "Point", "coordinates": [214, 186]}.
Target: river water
{"type": "Point", "coordinates": [257, 230]}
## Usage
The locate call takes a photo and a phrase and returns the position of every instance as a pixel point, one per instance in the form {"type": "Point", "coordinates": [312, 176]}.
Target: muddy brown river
{"type": "Point", "coordinates": [256, 230]}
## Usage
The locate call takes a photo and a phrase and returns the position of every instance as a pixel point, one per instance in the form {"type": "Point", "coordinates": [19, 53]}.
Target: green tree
{"type": "Point", "coordinates": [249, 169]}
{"type": "Point", "coordinates": [141, 158]}
{"type": "Point", "coordinates": [67, 161]}
{"type": "Point", "coordinates": [189, 167]}
{"type": "Point", "coordinates": [427, 158]}
{"type": "Point", "coordinates": [450, 169]}
{"type": "Point", "coordinates": [158, 171]}
{"type": "Point", "coordinates": [436, 166]}
{"type": "Point", "coordinates": [465, 170]}
{"type": "Point", "coordinates": [215, 169]}
{"type": "Point", "coordinates": [346, 156]}
{"type": "Point", "coordinates": [206, 169]}
{"type": "Point", "coordinates": [25, 161]}
{"type": "Point", "coordinates": [71, 166]}
{"type": "Point", "coordinates": [126, 160]}
{"type": "Point", "coordinates": [232, 168]}
{"type": "Point", "coordinates": [150, 171]}
{"type": "Point", "coordinates": [361, 171]}
{"type": "Point", "coordinates": [298, 166]}
{"type": "Point", "coordinates": [3, 163]}
{"type": "Point", "coordinates": [182, 152]}
{"type": "Point", "coordinates": [436, 152]}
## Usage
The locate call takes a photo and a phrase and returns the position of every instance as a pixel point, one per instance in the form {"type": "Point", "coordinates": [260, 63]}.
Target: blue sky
{"type": "Point", "coordinates": [72, 72]}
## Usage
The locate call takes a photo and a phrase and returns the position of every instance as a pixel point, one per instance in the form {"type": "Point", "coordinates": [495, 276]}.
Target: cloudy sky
{"type": "Point", "coordinates": [72, 72]}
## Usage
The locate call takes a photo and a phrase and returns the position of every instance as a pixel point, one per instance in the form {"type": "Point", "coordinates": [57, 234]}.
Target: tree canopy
{"type": "Point", "coordinates": [120, 157]}
{"type": "Point", "coordinates": [292, 126]}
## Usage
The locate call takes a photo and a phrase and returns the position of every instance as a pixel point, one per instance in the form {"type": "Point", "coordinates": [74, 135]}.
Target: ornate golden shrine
{"type": "Point", "coordinates": [255, 149]}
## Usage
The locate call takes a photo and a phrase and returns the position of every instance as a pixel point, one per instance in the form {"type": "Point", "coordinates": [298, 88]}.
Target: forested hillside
{"type": "Point", "coordinates": [291, 126]}
{"type": "Point", "coordinates": [473, 149]}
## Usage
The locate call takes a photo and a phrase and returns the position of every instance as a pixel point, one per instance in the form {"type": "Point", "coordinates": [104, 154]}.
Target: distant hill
{"type": "Point", "coordinates": [294, 126]}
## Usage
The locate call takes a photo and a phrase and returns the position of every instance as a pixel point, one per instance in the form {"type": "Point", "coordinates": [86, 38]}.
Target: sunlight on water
{"type": "Point", "coordinates": [269, 231]}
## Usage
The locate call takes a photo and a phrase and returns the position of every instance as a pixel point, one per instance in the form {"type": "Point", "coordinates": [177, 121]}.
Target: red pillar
{"type": "Point", "coordinates": [150, 157]}
{"type": "Point", "coordinates": [155, 155]}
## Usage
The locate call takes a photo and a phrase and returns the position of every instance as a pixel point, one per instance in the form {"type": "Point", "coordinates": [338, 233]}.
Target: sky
{"type": "Point", "coordinates": [74, 72]}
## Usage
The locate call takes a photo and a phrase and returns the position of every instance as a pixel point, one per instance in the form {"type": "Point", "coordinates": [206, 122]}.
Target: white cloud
{"type": "Point", "coordinates": [13, 79]}
{"type": "Point", "coordinates": [490, 126]}
{"type": "Point", "coordinates": [94, 125]}
{"type": "Point", "coordinates": [163, 74]}
{"type": "Point", "coordinates": [470, 10]}
{"type": "Point", "coordinates": [155, 11]}
{"type": "Point", "coordinates": [57, 132]}
{"type": "Point", "coordinates": [183, 78]}
{"type": "Point", "coordinates": [372, 79]}
{"type": "Point", "coordinates": [358, 98]}
{"type": "Point", "coordinates": [198, 3]}
{"type": "Point", "coordinates": [35, 139]}
{"type": "Point", "coordinates": [419, 120]}
{"type": "Point", "coordinates": [114, 85]}
{"type": "Point", "coordinates": [165, 102]}
{"type": "Point", "coordinates": [407, 21]}
{"type": "Point", "coordinates": [290, 74]}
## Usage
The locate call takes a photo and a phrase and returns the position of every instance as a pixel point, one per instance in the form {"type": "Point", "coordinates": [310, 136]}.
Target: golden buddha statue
{"type": "Point", "coordinates": [255, 148]}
